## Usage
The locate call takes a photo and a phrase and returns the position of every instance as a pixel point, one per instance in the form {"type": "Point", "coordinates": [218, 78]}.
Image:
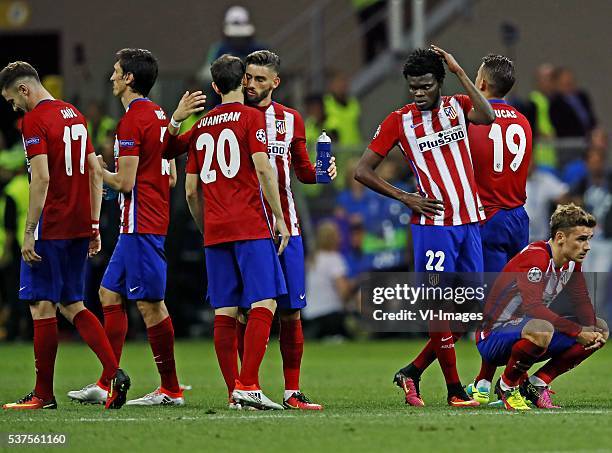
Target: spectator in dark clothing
{"type": "Point", "coordinates": [570, 108]}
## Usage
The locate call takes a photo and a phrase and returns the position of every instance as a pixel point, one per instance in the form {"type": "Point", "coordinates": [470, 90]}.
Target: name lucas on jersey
{"type": "Point", "coordinates": [217, 119]}
{"type": "Point", "coordinates": [502, 113]}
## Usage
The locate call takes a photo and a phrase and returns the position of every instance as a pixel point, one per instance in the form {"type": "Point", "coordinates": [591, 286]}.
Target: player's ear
{"type": "Point", "coordinates": [215, 88]}
{"type": "Point", "coordinates": [276, 82]}
{"type": "Point", "coordinates": [23, 89]}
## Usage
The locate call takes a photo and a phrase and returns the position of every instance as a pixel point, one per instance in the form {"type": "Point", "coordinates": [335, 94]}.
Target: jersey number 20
{"type": "Point", "coordinates": [207, 142]}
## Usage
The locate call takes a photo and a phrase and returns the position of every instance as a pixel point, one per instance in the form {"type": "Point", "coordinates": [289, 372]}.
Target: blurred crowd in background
{"type": "Point", "coordinates": [348, 229]}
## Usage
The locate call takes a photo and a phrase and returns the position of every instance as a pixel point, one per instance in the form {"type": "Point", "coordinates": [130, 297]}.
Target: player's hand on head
{"type": "Point", "coordinates": [332, 171]}
{"type": "Point", "coordinates": [284, 236]}
{"type": "Point", "coordinates": [448, 58]}
{"type": "Point", "coordinates": [27, 250]}
{"type": "Point", "coordinates": [189, 104]}
{"type": "Point", "coordinates": [428, 207]}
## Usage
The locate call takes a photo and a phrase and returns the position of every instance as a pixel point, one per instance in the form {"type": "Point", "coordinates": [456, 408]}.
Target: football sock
{"type": "Point", "coordinates": [116, 326]}
{"type": "Point", "coordinates": [240, 329]}
{"type": "Point", "coordinates": [428, 355]}
{"type": "Point", "coordinates": [537, 381]}
{"type": "Point", "coordinates": [563, 362]}
{"type": "Point", "coordinates": [161, 339]}
{"type": "Point", "coordinates": [289, 393]}
{"type": "Point", "coordinates": [92, 332]}
{"type": "Point", "coordinates": [455, 389]}
{"type": "Point", "coordinates": [45, 350]}
{"type": "Point", "coordinates": [292, 348]}
{"type": "Point", "coordinates": [412, 371]}
{"type": "Point", "coordinates": [255, 343]}
{"type": "Point", "coordinates": [524, 355]}
{"type": "Point", "coordinates": [487, 372]}
{"type": "Point", "coordinates": [444, 346]}
{"type": "Point", "coordinates": [226, 349]}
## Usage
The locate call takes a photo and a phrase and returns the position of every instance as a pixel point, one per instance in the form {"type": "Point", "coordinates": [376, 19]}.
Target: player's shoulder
{"type": "Point", "coordinates": [460, 98]}
{"type": "Point", "coordinates": [289, 110]}
{"type": "Point", "coordinates": [536, 254]}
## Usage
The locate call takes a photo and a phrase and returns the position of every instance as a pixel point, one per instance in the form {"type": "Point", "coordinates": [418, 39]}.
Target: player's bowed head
{"type": "Point", "coordinates": [21, 87]}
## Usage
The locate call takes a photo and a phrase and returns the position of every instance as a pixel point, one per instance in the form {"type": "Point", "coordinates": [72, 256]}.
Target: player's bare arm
{"type": "Point", "coordinates": [125, 178]}
{"type": "Point", "coordinates": [195, 200]}
{"type": "Point", "coordinates": [39, 185]}
{"type": "Point", "coordinates": [269, 185]}
{"type": "Point", "coordinates": [189, 104]}
{"type": "Point", "coordinates": [482, 113]}
{"type": "Point", "coordinates": [95, 195]}
{"type": "Point", "coordinates": [173, 176]}
{"type": "Point", "coordinates": [366, 175]}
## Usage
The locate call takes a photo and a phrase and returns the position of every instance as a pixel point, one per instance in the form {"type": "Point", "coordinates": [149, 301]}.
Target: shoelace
{"type": "Point", "coordinates": [301, 397]}
{"type": "Point", "coordinates": [516, 399]}
{"type": "Point", "coordinates": [25, 399]}
{"type": "Point", "coordinates": [152, 395]}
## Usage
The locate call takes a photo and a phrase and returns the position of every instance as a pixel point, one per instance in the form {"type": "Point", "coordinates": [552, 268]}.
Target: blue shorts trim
{"type": "Point", "coordinates": [137, 270]}
{"type": "Point", "coordinates": [243, 272]}
{"type": "Point", "coordinates": [447, 248]}
{"type": "Point", "coordinates": [292, 264]}
{"type": "Point", "coordinates": [496, 348]}
{"type": "Point", "coordinates": [503, 236]}
{"type": "Point", "coordinates": [60, 276]}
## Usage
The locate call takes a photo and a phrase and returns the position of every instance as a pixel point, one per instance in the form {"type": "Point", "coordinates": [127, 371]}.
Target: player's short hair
{"type": "Point", "coordinates": [424, 61]}
{"type": "Point", "coordinates": [143, 66]}
{"type": "Point", "coordinates": [264, 58]}
{"type": "Point", "coordinates": [227, 72]}
{"type": "Point", "coordinates": [15, 71]}
{"type": "Point", "coordinates": [499, 72]}
{"type": "Point", "coordinates": [568, 216]}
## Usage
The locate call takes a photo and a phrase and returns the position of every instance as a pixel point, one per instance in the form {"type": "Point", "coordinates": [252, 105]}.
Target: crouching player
{"type": "Point", "coordinates": [520, 327]}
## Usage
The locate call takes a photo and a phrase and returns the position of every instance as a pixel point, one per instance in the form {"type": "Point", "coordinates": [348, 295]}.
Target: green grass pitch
{"type": "Point", "coordinates": [363, 410]}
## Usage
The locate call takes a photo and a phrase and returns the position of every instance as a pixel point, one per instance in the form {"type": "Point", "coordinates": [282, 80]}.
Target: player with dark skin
{"type": "Point", "coordinates": [426, 91]}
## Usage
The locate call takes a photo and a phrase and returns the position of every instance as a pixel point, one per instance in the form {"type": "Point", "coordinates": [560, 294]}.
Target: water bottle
{"type": "Point", "coordinates": [108, 193]}
{"type": "Point", "coordinates": [323, 158]}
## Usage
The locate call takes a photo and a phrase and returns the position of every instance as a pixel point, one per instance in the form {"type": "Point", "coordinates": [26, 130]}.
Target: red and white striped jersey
{"type": "Point", "coordinates": [287, 148]}
{"type": "Point", "coordinates": [435, 144]}
{"type": "Point", "coordinates": [140, 133]}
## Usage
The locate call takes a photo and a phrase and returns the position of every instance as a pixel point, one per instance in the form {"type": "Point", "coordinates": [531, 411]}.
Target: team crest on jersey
{"type": "Point", "coordinates": [450, 112]}
{"type": "Point", "coordinates": [534, 275]}
{"type": "Point", "coordinates": [261, 136]}
{"type": "Point", "coordinates": [280, 127]}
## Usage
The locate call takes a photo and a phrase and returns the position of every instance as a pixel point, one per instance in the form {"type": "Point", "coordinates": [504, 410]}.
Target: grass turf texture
{"type": "Point", "coordinates": [364, 411]}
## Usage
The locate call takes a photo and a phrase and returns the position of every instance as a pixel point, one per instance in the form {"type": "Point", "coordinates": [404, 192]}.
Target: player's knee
{"type": "Point", "coordinates": [603, 325]}
{"type": "Point", "coordinates": [270, 304]}
{"type": "Point", "coordinates": [289, 315]}
{"type": "Point", "coordinates": [152, 312]}
{"type": "Point", "coordinates": [43, 310]}
{"type": "Point", "coordinates": [539, 332]}
{"type": "Point", "coordinates": [108, 297]}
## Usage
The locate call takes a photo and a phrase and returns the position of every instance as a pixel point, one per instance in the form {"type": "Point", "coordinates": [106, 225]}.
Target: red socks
{"type": "Point", "coordinates": [564, 362]}
{"type": "Point", "coordinates": [161, 339]}
{"type": "Point", "coordinates": [292, 349]}
{"type": "Point", "coordinates": [240, 330]}
{"type": "Point", "coordinates": [93, 334]}
{"type": "Point", "coordinates": [443, 344]}
{"type": "Point", "coordinates": [524, 355]}
{"type": "Point", "coordinates": [428, 355]}
{"type": "Point", "coordinates": [115, 326]}
{"type": "Point", "coordinates": [487, 372]}
{"type": "Point", "coordinates": [255, 343]}
{"type": "Point", "coordinates": [45, 350]}
{"type": "Point", "coordinates": [226, 349]}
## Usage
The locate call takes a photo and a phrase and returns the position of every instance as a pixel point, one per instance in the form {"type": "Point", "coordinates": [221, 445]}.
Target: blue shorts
{"type": "Point", "coordinates": [60, 276]}
{"type": "Point", "coordinates": [241, 273]}
{"type": "Point", "coordinates": [503, 236]}
{"type": "Point", "coordinates": [292, 264]}
{"type": "Point", "coordinates": [496, 348]}
{"type": "Point", "coordinates": [447, 248]}
{"type": "Point", "coordinates": [137, 269]}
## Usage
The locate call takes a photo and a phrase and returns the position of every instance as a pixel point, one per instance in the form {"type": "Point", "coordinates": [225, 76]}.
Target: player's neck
{"type": "Point", "coordinates": [557, 256]}
{"type": "Point", "coordinates": [490, 97]}
{"type": "Point", "coordinates": [128, 97]}
{"type": "Point", "coordinates": [233, 96]}
{"type": "Point", "coordinates": [265, 102]}
{"type": "Point", "coordinates": [38, 96]}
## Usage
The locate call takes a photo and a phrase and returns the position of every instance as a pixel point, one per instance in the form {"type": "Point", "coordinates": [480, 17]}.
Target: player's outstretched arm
{"type": "Point", "coordinates": [482, 113]}
{"type": "Point", "coordinates": [366, 175]}
{"type": "Point", "coordinates": [269, 186]}
{"type": "Point", "coordinates": [195, 201]}
{"type": "Point", "coordinates": [39, 184]}
{"type": "Point", "coordinates": [125, 178]}
{"type": "Point", "coordinates": [95, 196]}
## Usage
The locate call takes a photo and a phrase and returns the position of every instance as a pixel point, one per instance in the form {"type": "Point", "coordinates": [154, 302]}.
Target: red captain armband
{"type": "Point", "coordinates": [95, 228]}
